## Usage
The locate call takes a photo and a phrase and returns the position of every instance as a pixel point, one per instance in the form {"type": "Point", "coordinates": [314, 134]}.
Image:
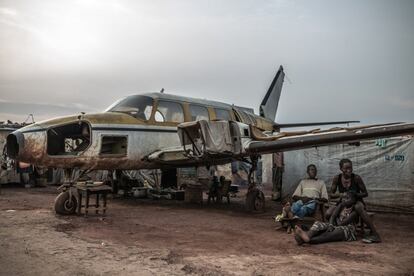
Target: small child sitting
{"type": "Point", "coordinates": [287, 217]}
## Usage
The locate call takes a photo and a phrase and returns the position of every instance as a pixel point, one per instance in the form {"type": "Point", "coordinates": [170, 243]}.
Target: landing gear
{"type": "Point", "coordinates": [255, 199]}
{"type": "Point", "coordinates": [66, 203]}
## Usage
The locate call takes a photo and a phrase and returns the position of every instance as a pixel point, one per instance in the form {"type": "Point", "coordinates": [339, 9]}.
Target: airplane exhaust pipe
{"type": "Point", "coordinates": [15, 142]}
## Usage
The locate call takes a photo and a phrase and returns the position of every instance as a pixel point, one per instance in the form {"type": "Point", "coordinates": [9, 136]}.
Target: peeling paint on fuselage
{"type": "Point", "coordinates": [144, 137]}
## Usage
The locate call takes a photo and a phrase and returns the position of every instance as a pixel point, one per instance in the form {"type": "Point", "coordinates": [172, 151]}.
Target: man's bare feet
{"type": "Point", "coordinates": [298, 239]}
{"type": "Point", "coordinates": [302, 234]}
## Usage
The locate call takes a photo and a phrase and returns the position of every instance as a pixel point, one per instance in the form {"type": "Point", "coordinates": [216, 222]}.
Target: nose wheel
{"type": "Point", "coordinates": [66, 203]}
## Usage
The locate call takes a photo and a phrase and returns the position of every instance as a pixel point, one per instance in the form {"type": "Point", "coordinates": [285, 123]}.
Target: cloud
{"type": "Point", "coordinates": [12, 18]}
{"type": "Point", "coordinates": [8, 11]}
{"type": "Point", "coordinates": [108, 5]}
{"type": "Point", "coordinates": [403, 103]}
{"type": "Point", "coordinates": [19, 110]}
{"type": "Point", "coordinates": [96, 51]}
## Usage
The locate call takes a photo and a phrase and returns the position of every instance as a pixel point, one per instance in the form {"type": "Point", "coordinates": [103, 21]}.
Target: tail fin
{"type": "Point", "coordinates": [270, 102]}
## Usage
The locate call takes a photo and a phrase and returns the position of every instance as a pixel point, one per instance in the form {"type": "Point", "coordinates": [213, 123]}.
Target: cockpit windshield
{"type": "Point", "coordinates": [137, 106]}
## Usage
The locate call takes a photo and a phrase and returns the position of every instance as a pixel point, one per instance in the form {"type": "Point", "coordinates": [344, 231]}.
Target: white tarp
{"type": "Point", "coordinates": [385, 165]}
{"type": "Point", "coordinates": [216, 135]}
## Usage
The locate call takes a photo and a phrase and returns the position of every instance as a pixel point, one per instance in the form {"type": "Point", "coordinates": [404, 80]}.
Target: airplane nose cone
{"type": "Point", "coordinates": [15, 143]}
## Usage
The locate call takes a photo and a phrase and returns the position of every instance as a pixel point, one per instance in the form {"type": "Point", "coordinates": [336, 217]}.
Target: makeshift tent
{"type": "Point", "coordinates": [385, 165]}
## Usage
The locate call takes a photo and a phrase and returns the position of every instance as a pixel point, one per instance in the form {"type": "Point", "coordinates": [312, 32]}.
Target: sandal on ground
{"type": "Point", "coordinates": [372, 239]}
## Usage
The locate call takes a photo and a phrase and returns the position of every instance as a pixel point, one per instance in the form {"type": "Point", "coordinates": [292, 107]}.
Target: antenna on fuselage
{"type": "Point", "coordinates": [162, 90]}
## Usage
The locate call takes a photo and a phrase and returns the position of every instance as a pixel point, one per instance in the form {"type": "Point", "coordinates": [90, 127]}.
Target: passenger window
{"type": "Point", "coordinates": [169, 112]}
{"type": "Point", "coordinates": [198, 113]}
{"type": "Point", "coordinates": [159, 117]}
{"type": "Point", "coordinates": [222, 114]}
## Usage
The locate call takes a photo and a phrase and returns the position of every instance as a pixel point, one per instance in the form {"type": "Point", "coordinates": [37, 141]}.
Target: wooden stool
{"type": "Point", "coordinates": [100, 191]}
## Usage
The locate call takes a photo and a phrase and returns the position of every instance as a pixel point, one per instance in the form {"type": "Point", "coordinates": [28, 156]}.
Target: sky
{"type": "Point", "coordinates": [344, 60]}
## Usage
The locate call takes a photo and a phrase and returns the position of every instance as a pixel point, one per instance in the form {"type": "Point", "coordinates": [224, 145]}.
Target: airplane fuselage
{"type": "Point", "coordinates": [122, 136]}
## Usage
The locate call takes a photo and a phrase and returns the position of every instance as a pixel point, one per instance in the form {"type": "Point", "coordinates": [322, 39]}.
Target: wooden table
{"type": "Point", "coordinates": [100, 191]}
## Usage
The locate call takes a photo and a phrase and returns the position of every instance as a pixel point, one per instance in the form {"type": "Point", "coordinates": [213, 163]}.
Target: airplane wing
{"type": "Point", "coordinates": [318, 137]}
{"type": "Point", "coordinates": [219, 142]}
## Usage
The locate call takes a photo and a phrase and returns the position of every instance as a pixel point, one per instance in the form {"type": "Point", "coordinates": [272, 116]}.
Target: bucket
{"type": "Point", "coordinates": [194, 194]}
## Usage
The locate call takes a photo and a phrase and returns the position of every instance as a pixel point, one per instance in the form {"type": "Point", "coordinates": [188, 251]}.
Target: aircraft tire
{"type": "Point", "coordinates": [64, 206]}
{"type": "Point", "coordinates": [255, 201]}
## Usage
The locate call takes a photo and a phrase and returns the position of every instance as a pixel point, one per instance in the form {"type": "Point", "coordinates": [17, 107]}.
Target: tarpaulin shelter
{"type": "Point", "coordinates": [385, 165]}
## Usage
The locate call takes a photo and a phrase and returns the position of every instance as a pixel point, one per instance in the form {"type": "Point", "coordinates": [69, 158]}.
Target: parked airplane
{"type": "Point", "coordinates": [140, 132]}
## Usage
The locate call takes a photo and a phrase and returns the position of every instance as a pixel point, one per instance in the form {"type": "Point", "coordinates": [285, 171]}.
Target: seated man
{"type": "Point", "coordinates": [338, 228]}
{"type": "Point", "coordinates": [308, 191]}
{"type": "Point", "coordinates": [348, 181]}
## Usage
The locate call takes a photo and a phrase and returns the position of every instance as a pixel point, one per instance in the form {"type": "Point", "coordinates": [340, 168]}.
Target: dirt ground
{"type": "Point", "coordinates": [147, 237]}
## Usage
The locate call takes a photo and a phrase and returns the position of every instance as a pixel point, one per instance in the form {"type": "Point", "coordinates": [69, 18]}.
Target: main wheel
{"type": "Point", "coordinates": [255, 201]}
{"type": "Point", "coordinates": [65, 204]}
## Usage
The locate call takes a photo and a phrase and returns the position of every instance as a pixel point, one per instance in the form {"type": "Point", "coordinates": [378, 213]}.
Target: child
{"type": "Point", "coordinates": [286, 218]}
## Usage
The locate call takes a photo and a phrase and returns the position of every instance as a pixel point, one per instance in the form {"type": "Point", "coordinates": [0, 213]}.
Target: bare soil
{"type": "Point", "coordinates": [161, 237]}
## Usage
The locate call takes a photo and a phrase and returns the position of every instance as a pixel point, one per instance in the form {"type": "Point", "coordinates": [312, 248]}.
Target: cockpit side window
{"type": "Point", "coordinates": [198, 113]}
{"type": "Point", "coordinates": [169, 112]}
{"type": "Point", "coordinates": [222, 114]}
{"type": "Point", "coordinates": [137, 106]}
